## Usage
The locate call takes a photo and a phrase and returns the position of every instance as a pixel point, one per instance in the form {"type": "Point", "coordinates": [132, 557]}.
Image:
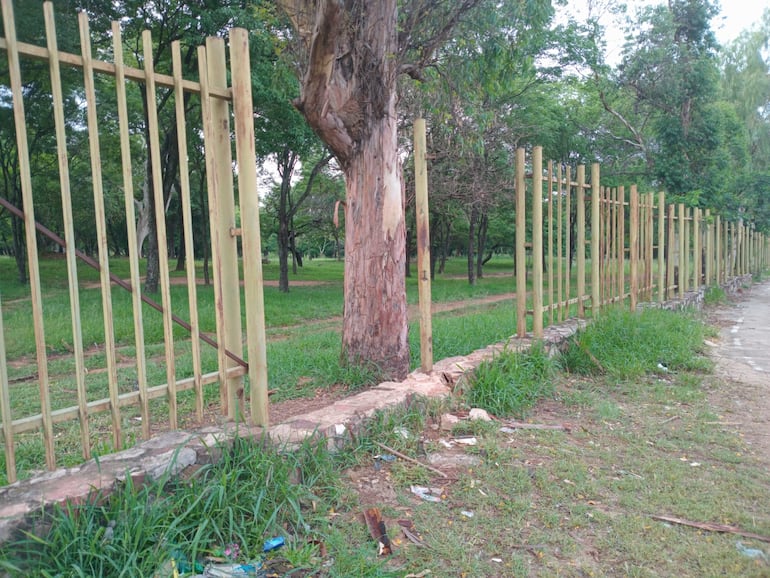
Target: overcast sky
{"type": "Point", "coordinates": [736, 16]}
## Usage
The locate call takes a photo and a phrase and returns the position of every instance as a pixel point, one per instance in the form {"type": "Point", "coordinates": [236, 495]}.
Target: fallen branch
{"type": "Point", "coordinates": [543, 426]}
{"type": "Point", "coordinates": [733, 423]}
{"type": "Point", "coordinates": [411, 460]}
{"type": "Point", "coordinates": [711, 527]}
{"type": "Point", "coordinates": [672, 418]}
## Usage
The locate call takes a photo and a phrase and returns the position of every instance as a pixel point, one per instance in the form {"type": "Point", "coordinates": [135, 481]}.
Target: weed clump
{"type": "Point", "coordinates": [625, 344]}
{"type": "Point", "coordinates": [512, 382]}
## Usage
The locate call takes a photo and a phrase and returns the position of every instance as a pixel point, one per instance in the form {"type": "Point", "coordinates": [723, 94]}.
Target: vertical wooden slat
{"type": "Point", "coordinates": [612, 275]}
{"type": "Point", "coordinates": [686, 255]}
{"type": "Point", "coordinates": [733, 247]}
{"type": "Point", "coordinates": [634, 245]}
{"type": "Point", "coordinates": [69, 228]}
{"type": "Point", "coordinates": [160, 226]}
{"type": "Point", "coordinates": [567, 241]}
{"type": "Point", "coordinates": [696, 248]}
{"type": "Point", "coordinates": [671, 250]}
{"type": "Point", "coordinates": [622, 235]}
{"type": "Point", "coordinates": [595, 242]}
{"type": "Point", "coordinates": [550, 244]}
{"type": "Point", "coordinates": [14, 72]}
{"type": "Point", "coordinates": [189, 243]}
{"type": "Point", "coordinates": [101, 227]}
{"type": "Point", "coordinates": [423, 244]}
{"type": "Point", "coordinates": [133, 249]}
{"type": "Point", "coordinates": [559, 243]}
{"type": "Point", "coordinates": [228, 245]}
{"type": "Point", "coordinates": [602, 236]}
{"type": "Point", "coordinates": [5, 409]}
{"type": "Point", "coordinates": [212, 184]}
{"type": "Point", "coordinates": [718, 250]}
{"type": "Point", "coordinates": [246, 157]}
{"type": "Point", "coordinates": [681, 288]}
{"type": "Point", "coordinates": [537, 242]}
{"type": "Point", "coordinates": [581, 239]}
{"type": "Point", "coordinates": [521, 236]}
{"type": "Point", "coordinates": [650, 246]}
{"type": "Point", "coordinates": [621, 244]}
{"type": "Point", "coordinates": [661, 247]}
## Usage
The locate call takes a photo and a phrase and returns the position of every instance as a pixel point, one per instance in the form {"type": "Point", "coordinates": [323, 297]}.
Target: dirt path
{"type": "Point", "coordinates": [743, 366]}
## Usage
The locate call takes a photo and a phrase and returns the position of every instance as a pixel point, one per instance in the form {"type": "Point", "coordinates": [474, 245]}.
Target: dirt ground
{"type": "Point", "coordinates": [742, 355]}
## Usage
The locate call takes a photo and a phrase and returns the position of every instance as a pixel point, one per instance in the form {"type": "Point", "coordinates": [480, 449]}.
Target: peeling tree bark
{"type": "Point", "coordinates": [348, 96]}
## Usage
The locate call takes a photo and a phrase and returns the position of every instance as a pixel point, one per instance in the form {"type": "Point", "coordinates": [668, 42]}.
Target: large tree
{"type": "Point", "coordinates": [352, 52]}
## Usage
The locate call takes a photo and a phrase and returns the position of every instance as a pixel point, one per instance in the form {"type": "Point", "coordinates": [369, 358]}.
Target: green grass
{"type": "Point", "coordinates": [625, 344]}
{"type": "Point", "coordinates": [512, 382]}
{"type": "Point", "coordinates": [543, 503]}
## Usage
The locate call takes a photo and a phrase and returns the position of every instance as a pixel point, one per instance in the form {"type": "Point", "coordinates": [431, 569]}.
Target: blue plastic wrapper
{"type": "Point", "coordinates": [273, 544]}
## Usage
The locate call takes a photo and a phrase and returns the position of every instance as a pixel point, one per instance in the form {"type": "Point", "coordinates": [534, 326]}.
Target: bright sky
{"type": "Point", "coordinates": [736, 16]}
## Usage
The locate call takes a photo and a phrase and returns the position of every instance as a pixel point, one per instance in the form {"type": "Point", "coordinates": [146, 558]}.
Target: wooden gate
{"type": "Point", "coordinates": [124, 389]}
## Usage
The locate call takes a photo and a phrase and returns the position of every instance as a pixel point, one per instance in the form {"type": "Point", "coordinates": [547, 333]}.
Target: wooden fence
{"type": "Point", "coordinates": [628, 247]}
{"type": "Point", "coordinates": [631, 247]}
{"type": "Point", "coordinates": [218, 104]}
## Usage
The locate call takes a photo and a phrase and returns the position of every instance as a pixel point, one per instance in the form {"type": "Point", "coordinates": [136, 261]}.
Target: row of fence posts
{"type": "Point", "coordinates": [669, 249]}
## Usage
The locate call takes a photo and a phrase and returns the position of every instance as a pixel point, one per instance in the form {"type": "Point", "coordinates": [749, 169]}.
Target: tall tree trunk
{"type": "Point", "coordinates": [348, 95]}
{"type": "Point", "coordinates": [283, 255]}
{"type": "Point", "coordinates": [472, 245]}
{"type": "Point", "coordinates": [482, 245]}
{"type": "Point", "coordinates": [375, 322]}
{"type": "Point", "coordinates": [445, 246]}
{"type": "Point", "coordinates": [19, 249]}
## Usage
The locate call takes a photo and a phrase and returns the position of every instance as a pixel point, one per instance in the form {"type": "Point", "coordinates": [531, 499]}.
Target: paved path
{"type": "Point", "coordinates": [743, 363]}
{"type": "Point", "coordinates": [748, 339]}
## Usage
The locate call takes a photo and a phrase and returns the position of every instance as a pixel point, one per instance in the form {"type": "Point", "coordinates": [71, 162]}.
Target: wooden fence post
{"type": "Point", "coordinates": [634, 245]}
{"type": "Point", "coordinates": [681, 288]}
{"type": "Point", "coordinates": [25, 177]}
{"type": "Point", "coordinates": [160, 226]}
{"type": "Point", "coordinates": [521, 236]}
{"type": "Point", "coordinates": [622, 236]}
{"type": "Point", "coordinates": [581, 239]}
{"type": "Point", "coordinates": [222, 217]}
{"type": "Point", "coordinates": [567, 241]}
{"type": "Point", "coordinates": [560, 245]}
{"type": "Point", "coordinates": [697, 248]}
{"type": "Point", "coordinates": [661, 246]}
{"type": "Point", "coordinates": [5, 409]}
{"type": "Point", "coordinates": [718, 250]}
{"type": "Point", "coordinates": [549, 199]}
{"type": "Point", "coordinates": [687, 247]}
{"type": "Point", "coordinates": [709, 248]}
{"type": "Point", "coordinates": [670, 248]}
{"type": "Point", "coordinates": [133, 249]}
{"type": "Point", "coordinates": [248, 197]}
{"type": "Point", "coordinates": [596, 239]}
{"type": "Point", "coordinates": [649, 246]}
{"type": "Point", "coordinates": [537, 242]}
{"type": "Point", "coordinates": [423, 244]}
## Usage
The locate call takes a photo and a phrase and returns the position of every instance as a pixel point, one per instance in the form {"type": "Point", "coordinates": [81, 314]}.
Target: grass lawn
{"type": "Point", "coordinates": [575, 501]}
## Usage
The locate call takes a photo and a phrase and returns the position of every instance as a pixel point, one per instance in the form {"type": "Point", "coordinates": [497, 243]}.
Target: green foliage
{"type": "Point", "coordinates": [625, 344]}
{"type": "Point", "coordinates": [254, 492]}
{"type": "Point", "coordinates": [512, 382]}
{"type": "Point", "coordinates": [715, 295]}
